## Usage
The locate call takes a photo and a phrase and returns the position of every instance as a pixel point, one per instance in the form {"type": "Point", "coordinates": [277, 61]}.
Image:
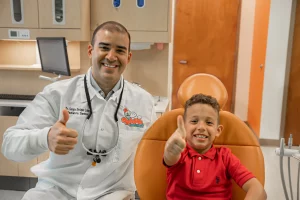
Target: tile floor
{"type": "Point", "coordinates": [273, 183]}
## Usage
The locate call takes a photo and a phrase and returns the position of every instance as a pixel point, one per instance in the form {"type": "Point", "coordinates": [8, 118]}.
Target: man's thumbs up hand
{"type": "Point", "coordinates": [60, 138]}
{"type": "Point", "coordinates": [65, 117]}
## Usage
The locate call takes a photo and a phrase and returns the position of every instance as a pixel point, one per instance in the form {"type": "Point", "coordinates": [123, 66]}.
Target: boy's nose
{"type": "Point", "coordinates": [201, 125]}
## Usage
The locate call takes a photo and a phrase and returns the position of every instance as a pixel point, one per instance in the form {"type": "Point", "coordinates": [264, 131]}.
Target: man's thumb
{"type": "Point", "coordinates": [65, 116]}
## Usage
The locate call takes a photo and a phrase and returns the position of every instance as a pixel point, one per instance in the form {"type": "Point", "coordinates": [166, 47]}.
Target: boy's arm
{"type": "Point", "coordinates": [175, 144]}
{"type": "Point", "coordinates": [254, 190]}
{"type": "Point", "coordinates": [243, 177]}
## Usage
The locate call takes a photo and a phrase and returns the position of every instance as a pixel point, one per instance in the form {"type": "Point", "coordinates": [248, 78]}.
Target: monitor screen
{"type": "Point", "coordinates": [53, 55]}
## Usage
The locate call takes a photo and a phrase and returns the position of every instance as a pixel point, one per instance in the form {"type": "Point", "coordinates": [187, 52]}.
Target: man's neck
{"type": "Point", "coordinates": [106, 87]}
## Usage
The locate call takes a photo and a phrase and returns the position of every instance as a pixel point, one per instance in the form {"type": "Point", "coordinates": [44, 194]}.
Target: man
{"type": "Point", "coordinates": [91, 124]}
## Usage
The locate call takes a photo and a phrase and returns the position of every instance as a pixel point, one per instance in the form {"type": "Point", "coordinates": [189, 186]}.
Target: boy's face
{"type": "Point", "coordinates": [201, 124]}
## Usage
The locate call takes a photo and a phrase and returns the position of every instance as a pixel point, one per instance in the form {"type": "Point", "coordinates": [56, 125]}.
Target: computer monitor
{"type": "Point", "coordinates": [53, 55]}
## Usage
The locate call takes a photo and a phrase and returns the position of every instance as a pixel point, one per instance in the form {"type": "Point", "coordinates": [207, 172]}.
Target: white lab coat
{"type": "Point", "coordinates": [73, 172]}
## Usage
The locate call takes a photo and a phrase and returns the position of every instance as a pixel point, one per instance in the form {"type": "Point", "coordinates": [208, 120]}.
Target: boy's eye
{"type": "Point", "coordinates": [194, 121]}
{"type": "Point", "coordinates": [209, 123]}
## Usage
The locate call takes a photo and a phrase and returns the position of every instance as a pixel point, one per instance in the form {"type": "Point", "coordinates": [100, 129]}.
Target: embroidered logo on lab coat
{"type": "Point", "coordinates": [78, 111]}
{"type": "Point", "coordinates": [132, 119]}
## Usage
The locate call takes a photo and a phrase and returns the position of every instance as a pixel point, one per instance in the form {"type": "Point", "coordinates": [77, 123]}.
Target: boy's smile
{"type": "Point", "coordinates": [201, 124]}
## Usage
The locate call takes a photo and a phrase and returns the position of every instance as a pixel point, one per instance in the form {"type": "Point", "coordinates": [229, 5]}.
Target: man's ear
{"type": "Point", "coordinates": [219, 130]}
{"type": "Point", "coordinates": [129, 57]}
{"type": "Point", "coordinates": [90, 49]}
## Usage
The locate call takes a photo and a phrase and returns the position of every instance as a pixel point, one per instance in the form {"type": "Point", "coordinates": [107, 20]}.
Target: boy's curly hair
{"type": "Point", "coordinates": [202, 99]}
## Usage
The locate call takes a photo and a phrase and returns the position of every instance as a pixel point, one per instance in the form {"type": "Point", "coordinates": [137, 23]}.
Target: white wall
{"type": "Point", "coordinates": [244, 58]}
{"type": "Point", "coordinates": [277, 68]}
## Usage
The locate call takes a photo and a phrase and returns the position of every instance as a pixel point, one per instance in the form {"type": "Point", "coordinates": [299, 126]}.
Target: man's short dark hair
{"type": "Point", "coordinates": [202, 99]}
{"type": "Point", "coordinates": [111, 26]}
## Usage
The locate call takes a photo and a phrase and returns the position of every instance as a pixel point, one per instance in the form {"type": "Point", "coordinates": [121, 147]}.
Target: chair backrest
{"type": "Point", "coordinates": [150, 174]}
{"type": "Point", "coordinates": [205, 84]}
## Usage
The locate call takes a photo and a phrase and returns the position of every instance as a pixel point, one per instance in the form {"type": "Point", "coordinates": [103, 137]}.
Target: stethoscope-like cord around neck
{"type": "Point", "coordinates": [90, 114]}
{"type": "Point", "coordinates": [87, 94]}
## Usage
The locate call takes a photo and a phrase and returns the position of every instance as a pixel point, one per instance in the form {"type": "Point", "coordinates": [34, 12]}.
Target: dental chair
{"type": "Point", "coordinates": [205, 84]}
{"type": "Point", "coordinates": [150, 174]}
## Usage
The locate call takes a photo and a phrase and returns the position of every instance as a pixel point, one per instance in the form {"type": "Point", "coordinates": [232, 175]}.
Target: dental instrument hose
{"type": "Point", "coordinates": [281, 168]}
{"type": "Point", "coordinates": [290, 143]}
{"type": "Point", "coordinates": [298, 180]}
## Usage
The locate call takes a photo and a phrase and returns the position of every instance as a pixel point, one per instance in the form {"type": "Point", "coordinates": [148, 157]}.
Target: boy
{"type": "Point", "coordinates": [198, 170]}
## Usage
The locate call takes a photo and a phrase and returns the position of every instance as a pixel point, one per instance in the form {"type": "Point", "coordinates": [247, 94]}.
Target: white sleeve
{"type": "Point", "coordinates": [29, 137]}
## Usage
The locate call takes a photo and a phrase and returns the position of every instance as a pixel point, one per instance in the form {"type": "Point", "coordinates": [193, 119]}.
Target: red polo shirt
{"type": "Point", "coordinates": [205, 176]}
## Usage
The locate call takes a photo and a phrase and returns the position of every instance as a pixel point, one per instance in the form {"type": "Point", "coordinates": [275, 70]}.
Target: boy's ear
{"type": "Point", "coordinates": [219, 130]}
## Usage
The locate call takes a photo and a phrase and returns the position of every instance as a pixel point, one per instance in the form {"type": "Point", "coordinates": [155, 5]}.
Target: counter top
{"type": "Point", "coordinates": [161, 103]}
{"type": "Point", "coordinates": [34, 67]}
{"type": "Point", "coordinates": [14, 103]}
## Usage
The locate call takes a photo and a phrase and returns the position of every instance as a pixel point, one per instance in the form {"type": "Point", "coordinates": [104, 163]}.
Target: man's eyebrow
{"type": "Point", "coordinates": [107, 44]}
{"type": "Point", "coordinates": [121, 47]}
{"type": "Point", "coordinates": [103, 43]}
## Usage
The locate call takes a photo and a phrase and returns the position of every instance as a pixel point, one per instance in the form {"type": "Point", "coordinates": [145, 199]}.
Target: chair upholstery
{"type": "Point", "coordinates": [150, 174]}
{"type": "Point", "coordinates": [205, 84]}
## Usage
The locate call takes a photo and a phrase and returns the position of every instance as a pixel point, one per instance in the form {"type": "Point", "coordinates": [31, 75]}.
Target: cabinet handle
{"type": "Point", "coordinates": [140, 3]}
{"type": "Point", "coordinates": [116, 3]}
{"type": "Point", "coordinates": [184, 62]}
{"type": "Point", "coordinates": [17, 11]}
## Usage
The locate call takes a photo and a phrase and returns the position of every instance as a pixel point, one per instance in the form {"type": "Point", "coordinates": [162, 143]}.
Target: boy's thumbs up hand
{"type": "Point", "coordinates": [60, 138]}
{"type": "Point", "coordinates": [180, 127]}
{"type": "Point", "coordinates": [176, 143]}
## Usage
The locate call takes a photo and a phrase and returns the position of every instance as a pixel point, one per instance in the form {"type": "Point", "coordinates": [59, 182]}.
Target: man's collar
{"type": "Point", "coordinates": [92, 90]}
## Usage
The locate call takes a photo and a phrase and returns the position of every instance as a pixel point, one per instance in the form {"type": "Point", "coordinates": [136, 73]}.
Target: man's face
{"type": "Point", "coordinates": [201, 124]}
{"type": "Point", "coordinates": [110, 56]}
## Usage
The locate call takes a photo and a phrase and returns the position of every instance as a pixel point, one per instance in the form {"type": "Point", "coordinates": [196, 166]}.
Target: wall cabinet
{"type": "Point", "coordinates": [18, 14]}
{"type": "Point", "coordinates": [45, 18]}
{"type": "Point", "coordinates": [60, 14]}
{"type": "Point", "coordinates": [149, 23]}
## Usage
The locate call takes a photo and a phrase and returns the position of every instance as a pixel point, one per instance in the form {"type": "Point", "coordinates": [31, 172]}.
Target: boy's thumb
{"type": "Point", "coordinates": [65, 116]}
{"type": "Point", "coordinates": [180, 126]}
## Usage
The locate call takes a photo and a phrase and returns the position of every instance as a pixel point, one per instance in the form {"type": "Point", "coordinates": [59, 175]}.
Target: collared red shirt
{"type": "Point", "coordinates": [205, 176]}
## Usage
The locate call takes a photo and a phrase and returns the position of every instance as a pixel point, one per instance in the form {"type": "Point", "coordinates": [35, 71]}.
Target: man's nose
{"type": "Point", "coordinates": [111, 56]}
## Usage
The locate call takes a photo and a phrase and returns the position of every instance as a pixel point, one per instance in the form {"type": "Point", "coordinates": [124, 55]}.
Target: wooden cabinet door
{"type": "Point", "coordinates": [60, 13]}
{"type": "Point", "coordinates": [43, 157]}
{"type": "Point", "coordinates": [292, 125]}
{"type": "Point", "coordinates": [7, 167]}
{"type": "Point", "coordinates": [152, 17]}
{"type": "Point", "coordinates": [205, 41]}
{"type": "Point", "coordinates": [11, 168]}
{"type": "Point", "coordinates": [24, 14]}
{"type": "Point", "coordinates": [24, 168]}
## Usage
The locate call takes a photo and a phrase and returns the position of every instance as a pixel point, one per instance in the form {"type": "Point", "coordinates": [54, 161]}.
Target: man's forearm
{"type": "Point", "coordinates": [24, 145]}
